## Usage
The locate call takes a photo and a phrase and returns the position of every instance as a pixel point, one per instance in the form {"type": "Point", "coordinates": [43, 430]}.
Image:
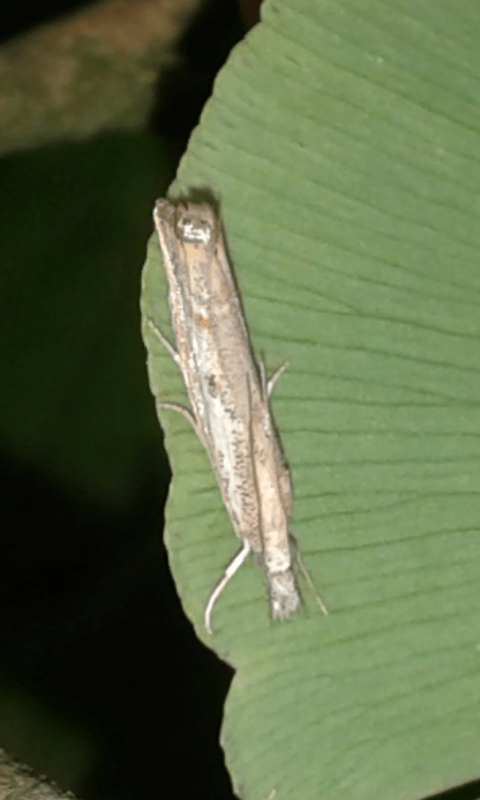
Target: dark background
{"type": "Point", "coordinates": [103, 684]}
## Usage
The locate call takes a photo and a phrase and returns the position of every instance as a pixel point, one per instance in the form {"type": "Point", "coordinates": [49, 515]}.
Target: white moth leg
{"type": "Point", "coordinates": [268, 384]}
{"type": "Point", "coordinates": [230, 571]}
{"type": "Point", "coordinates": [163, 403]}
{"type": "Point", "coordinates": [164, 341]}
{"type": "Point", "coordinates": [307, 576]}
{"type": "Point", "coordinates": [272, 381]}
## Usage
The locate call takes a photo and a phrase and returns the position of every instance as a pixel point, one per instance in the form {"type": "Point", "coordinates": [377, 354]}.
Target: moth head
{"type": "Point", "coordinates": [196, 223]}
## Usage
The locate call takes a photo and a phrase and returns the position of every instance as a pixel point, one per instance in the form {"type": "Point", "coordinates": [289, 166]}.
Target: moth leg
{"type": "Point", "coordinates": [306, 575]}
{"type": "Point", "coordinates": [230, 571]}
{"type": "Point", "coordinates": [185, 411]}
{"type": "Point", "coordinates": [163, 403]}
{"type": "Point", "coordinates": [268, 384]}
{"type": "Point", "coordinates": [164, 341]}
{"type": "Point", "coordinates": [272, 381]}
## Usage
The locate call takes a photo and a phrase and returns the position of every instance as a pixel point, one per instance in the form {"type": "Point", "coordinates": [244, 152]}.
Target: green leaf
{"type": "Point", "coordinates": [342, 140]}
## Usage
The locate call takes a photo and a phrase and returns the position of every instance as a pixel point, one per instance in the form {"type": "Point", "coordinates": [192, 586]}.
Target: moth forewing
{"type": "Point", "coordinates": [274, 491]}
{"type": "Point", "coordinates": [187, 248]}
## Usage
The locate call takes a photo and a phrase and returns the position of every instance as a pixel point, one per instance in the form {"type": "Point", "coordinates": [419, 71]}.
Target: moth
{"type": "Point", "coordinates": [229, 396]}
